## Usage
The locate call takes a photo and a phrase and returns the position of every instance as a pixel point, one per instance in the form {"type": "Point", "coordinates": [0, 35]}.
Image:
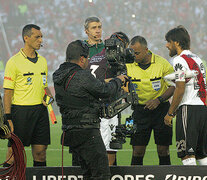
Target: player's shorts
{"type": "Point", "coordinates": [148, 120]}
{"type": "Point", "coordinates": [191, 131]}
{"type": "Point", "coordinates": [31, 124]}
{"type": "Point", "coordinates": [107, 127]}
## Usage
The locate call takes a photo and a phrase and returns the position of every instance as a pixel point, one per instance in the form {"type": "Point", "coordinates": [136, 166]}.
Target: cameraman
{"type": "Point", "coordinates": [77, 95]}
{"type": "Point", "coordinates": [101, 69]}
{"type": "Point", "coordinates": [147, 74]}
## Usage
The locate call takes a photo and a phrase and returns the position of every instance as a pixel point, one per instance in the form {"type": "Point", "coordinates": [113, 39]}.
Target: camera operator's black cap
{"type": "Point", "coordinates": [76, 49]}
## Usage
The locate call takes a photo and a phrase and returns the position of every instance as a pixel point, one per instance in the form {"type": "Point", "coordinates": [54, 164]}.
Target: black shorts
{"type": "Point", "coordinates": [148, 120]}
{"type": "Point", "coordinates": [31, 124]}
{"type": "Point", "coordinates": [191, 131]}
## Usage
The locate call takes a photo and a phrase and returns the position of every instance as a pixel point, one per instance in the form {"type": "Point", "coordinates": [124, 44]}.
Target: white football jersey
{"type": "Point", "coordinates": [195, 88]}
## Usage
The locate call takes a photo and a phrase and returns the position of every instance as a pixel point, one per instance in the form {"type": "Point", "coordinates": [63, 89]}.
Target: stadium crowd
{"type": "Point", "coordinates": [62, 22]}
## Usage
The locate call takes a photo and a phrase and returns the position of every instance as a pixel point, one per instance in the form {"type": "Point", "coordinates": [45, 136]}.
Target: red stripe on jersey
{"type": "Point", "coordinates": [194, 66]}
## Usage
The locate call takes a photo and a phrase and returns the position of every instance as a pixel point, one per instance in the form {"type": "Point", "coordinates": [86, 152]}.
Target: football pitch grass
{"type": "Point", "coordinates": [54, 152]}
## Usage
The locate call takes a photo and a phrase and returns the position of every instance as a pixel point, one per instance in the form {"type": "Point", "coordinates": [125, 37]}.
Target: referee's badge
{"type": "Point", "coordinates": [44, 79]}
{"type": "Point", "coordinates": [156, 85]}
{"type": "Point", "coordinates": [29, 81]}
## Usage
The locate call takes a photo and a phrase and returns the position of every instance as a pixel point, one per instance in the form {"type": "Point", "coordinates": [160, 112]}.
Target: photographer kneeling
{"type": "Point", "coordinates": [77, 95]}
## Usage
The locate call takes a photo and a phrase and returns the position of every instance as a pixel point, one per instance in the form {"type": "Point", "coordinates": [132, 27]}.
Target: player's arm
{"type": "Point", "coordinates": [177, 98]}
{"type": "Point", "coordinates": [179, 66]}
{"type": "Point", "coordinates": [8, 94]}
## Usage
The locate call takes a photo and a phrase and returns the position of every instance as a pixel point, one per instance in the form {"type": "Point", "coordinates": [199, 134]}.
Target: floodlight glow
{"type": "Point", "coordinates": [133, 15]}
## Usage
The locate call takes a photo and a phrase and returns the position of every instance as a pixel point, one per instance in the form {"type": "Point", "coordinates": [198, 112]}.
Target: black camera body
{"type": "Point", "coordinates": [117, 54]}
{"type": "Point", "coordinates": [122, 131]}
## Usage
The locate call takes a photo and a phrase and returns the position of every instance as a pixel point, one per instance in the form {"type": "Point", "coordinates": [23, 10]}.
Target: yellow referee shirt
{"type": "Point", "coordinates": [149, 83]}
{"type": "Point", "coordinates": [26, 78]}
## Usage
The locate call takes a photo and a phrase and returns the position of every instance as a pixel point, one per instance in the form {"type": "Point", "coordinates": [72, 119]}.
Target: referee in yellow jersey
{"type": "Point", "coordinates": [25, 83]}
{"type": "Point", "coordinates": [147, 74]}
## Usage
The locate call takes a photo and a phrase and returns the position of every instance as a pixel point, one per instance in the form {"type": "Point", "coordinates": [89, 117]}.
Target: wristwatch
{"type": "Point", "coordinates": [172, 115]}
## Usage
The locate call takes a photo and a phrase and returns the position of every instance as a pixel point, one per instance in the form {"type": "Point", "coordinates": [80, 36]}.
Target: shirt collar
{"type": "Point", "coordinates": [25, 56]}
{"type": "Point", "coordinates": [152, 59]}
{"type": "Point", "coordinates": [185, 52]}
{"type": "Point", "coordinates": [91, 45]}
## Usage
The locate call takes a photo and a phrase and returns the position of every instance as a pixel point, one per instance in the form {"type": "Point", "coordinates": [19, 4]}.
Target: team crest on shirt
{"type": "Point", "coordinates": [156, 85]}
{"type": "Point", "coordinates": [29, 81]}
{"type": "Point", "coordinates": [180, 76]}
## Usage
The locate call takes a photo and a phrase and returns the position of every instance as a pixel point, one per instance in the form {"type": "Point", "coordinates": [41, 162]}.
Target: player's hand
{"type": "Point", "coordinates": [168, 120]}
{"type": "Point", "coordinates": [123, 78]}
{"type": "Point", "coordinates": [152, 104]}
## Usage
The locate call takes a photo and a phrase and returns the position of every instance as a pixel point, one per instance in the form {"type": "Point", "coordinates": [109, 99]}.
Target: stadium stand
{"type": "Point", "coordinates": [62, 22]}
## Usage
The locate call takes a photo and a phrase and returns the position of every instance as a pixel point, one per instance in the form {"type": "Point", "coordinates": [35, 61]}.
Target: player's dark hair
{"type": "Point", "coordinates": [90, 20]}
{"type": "Point", "coordinates": [180, 35]}
{"type": "Point", "coordinates": [76, 49]}
{"type": "Point", "coordinates": [138, 39]}
{"type": "Point", "coordinates": [27, 30]}
{"type": "Point", "coordinates": [121, 36]}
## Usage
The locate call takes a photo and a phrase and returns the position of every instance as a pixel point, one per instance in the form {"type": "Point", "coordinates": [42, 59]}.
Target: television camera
{"type": "Point", "coordinates": [117, 56]}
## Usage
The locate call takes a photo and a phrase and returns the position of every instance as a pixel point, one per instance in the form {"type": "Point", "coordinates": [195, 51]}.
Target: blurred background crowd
{"type": "Point", "coordinates": [62, 21]}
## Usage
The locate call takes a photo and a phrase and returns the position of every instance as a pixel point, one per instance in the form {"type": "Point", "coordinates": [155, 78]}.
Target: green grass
{"type": "Point", "coordinates": [54, 152]}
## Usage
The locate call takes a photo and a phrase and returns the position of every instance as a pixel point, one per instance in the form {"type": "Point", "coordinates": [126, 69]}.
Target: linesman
{"type": "Point", "coordinates": [25, 83]}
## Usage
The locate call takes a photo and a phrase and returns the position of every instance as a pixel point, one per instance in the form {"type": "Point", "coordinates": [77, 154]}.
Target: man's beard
{"type": "Point", "coordinates": [173, 52]}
